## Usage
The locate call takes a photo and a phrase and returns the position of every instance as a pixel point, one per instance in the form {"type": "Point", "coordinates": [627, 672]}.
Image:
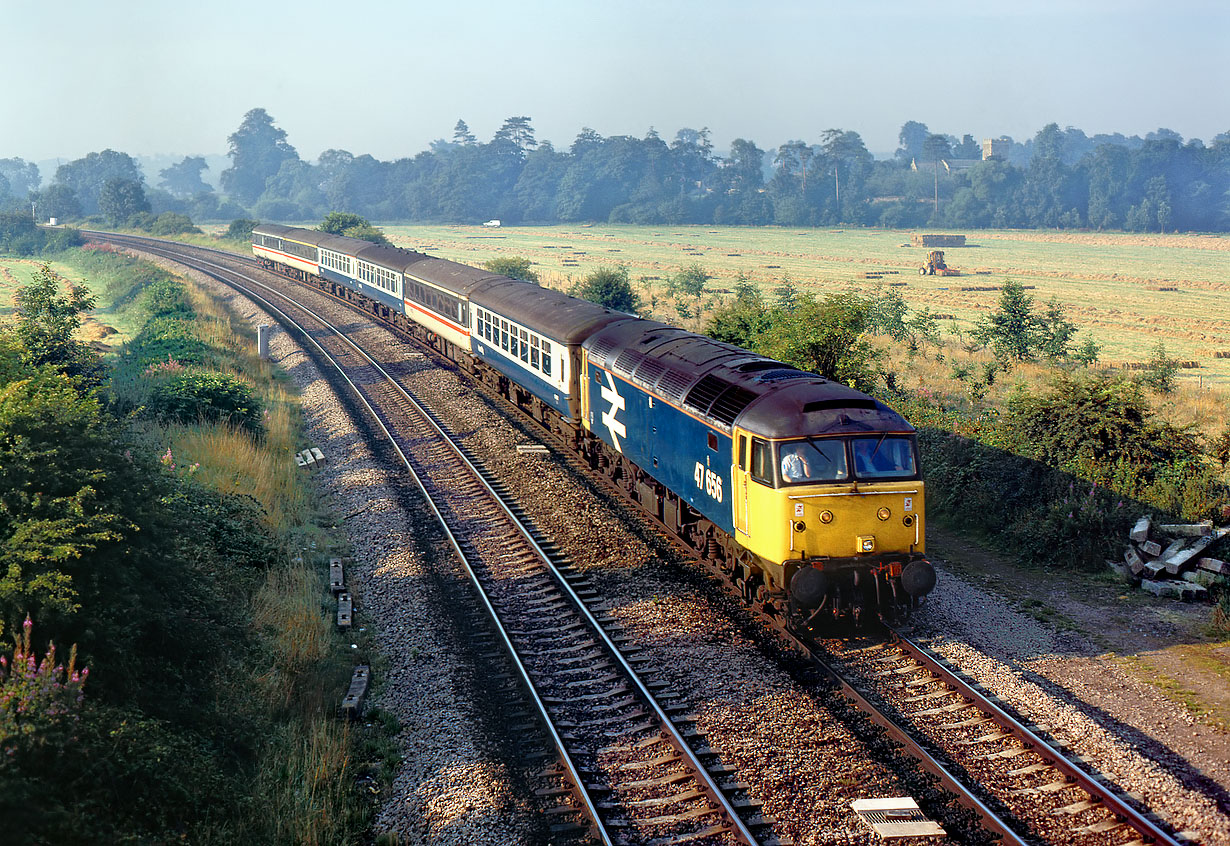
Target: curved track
{"type": "Point", "coordinates": [955, 731]}
{"type": "Point", "coordinates": [627, 761]}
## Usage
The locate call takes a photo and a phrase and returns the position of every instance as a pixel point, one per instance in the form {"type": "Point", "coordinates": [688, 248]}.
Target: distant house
{"type": "Point", "coordinates": [995, 148]}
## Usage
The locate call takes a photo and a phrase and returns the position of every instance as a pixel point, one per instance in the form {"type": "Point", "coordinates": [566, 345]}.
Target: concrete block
{"type": "Point", "coordinates": [1140, 532]}
{"type": "Point", "coordinates": [1122, 569]}
{"type": "Point", "coordinates": [345, 610]}
{"type": "Point", "coordinates": [337, 579]}
{"type": "Point", "coordinates": [1151, 548]}
{"type": "Point", "coordinates": [1187, 530]}
{"type": "Point", "coordinates": [1135, 563]}
{"type": "Point", "coordinates": [317, 455]}
{"type": "Point", "coordinates": [1214, 565]}
{"type": "Point", "coordinates": [1183, 558]}
{"type": "Point", "coordinates": [352, 702]}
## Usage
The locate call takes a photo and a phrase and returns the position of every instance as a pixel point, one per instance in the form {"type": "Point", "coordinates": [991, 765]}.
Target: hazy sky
{"type": "Point", "coordinates": [386, 78]}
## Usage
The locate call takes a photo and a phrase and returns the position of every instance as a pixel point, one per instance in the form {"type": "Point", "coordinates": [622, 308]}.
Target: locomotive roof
{"type": "Point", "coordinates": [729, 385]}
{"type": "Point", "coordinates": [549, 313]}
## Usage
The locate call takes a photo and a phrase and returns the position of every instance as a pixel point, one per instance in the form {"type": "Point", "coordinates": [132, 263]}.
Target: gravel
{"type": "Point", "coordinates": [804, 760]}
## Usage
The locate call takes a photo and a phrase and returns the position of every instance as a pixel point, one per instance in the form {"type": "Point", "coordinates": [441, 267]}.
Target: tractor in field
{"type": "Point", "coordinates": [934, 266]}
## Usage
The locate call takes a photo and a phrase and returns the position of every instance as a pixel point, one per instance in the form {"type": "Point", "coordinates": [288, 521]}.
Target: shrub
{"type": "Point", "coordinates": [241, 229]}
{"type": "Point", "coordinates": [212, 397]}
{"type": "Point", "coordinates": [165, 298]}
{"type": "Point", "coordinates": [514, 267]}
{"type": "Point", "coordinates": [172, 223]}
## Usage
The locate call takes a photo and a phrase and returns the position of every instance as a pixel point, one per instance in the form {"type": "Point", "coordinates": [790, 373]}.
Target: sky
{"type": "Point", "coordinates": [157, 77]}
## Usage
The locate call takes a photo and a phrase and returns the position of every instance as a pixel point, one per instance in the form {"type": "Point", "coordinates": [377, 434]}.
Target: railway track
{"type": "Point", "coordinates": [1025, 790]}
{"type": "Point", "coordinates": [630, 760]}
{"type": "Point", "coordinates": [1045, 792]}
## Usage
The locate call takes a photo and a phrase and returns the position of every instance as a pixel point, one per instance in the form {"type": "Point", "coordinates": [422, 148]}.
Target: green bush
{"type": "Point", "coordinates": [165, 298]}
{"type": "Point", "coordinates": [173, 223]}
{"type": "Point", "coordinates": [167, 338]}
{"type": "Point", "coordinates": [241, 229]}
{"type": "Point", "coordinates": [212, 397]}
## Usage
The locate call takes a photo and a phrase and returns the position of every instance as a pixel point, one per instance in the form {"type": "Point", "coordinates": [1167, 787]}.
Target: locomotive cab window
{"type": "Point", "coordinates": [713, 442]}
{"type": "Point", "coordinates": [762, 462]}
{"type": "Point", "coordinates": [884, 457]}
{"type": "Point", "coordinates": [813, 460]}
{"type": "Point", "coordinates": [743, 452]}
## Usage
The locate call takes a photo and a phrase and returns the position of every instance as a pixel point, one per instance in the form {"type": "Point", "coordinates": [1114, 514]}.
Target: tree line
{"type": "Point", "coordinates": [1060, 178]}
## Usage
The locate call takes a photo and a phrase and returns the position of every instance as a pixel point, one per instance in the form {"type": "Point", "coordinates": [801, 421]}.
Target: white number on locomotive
{"type": "Point", "coordinates": [708, 481]}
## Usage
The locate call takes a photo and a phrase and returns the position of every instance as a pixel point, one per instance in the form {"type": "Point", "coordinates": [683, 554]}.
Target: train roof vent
{"type": "Point", "coordinates": [673, 384]}
{"type": "Point", "coordinates": [628, 359]}
{"type": "Point", "coordinates": [823, 405]}
{"type": "Point", "coordinates": [758, 366]}
{"type": "Point", "coordinates": [602, 348]}
{"type": "Point", "coordinates": [648, 371]}
{"type": "Point", "coordinates": [705, 392]}
{"type": "Point", "coordinates": [783, 373]}
{"type": "Point", "coordinates": [728, 406]}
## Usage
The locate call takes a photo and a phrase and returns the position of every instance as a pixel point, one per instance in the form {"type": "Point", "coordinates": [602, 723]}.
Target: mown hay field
{"type": "Point", "coordinates": [1129, 292]}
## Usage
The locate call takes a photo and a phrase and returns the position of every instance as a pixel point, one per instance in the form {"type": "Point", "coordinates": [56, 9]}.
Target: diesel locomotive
{"type": "Point", "coordinates": [805, 494]}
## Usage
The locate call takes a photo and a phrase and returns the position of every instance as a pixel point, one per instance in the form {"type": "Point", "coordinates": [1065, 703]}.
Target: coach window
{"type": "Point", "coordinates": [504, 335]}
{"type": "Point", "coordinates": [546, 357]}
{"type": "Point", "coordinates": [525, 346]}
{"type": "Point", "coordinates": [762, 463]}
{"type": "Point", "coordinates": [534, 352]}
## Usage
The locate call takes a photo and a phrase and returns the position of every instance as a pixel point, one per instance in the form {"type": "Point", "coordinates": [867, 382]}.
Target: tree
{"type": "Point", "coordinates": [184, 179]}
{"type": "Point", "coordinates": [336, 223]}
{"type": "Point", "coordinates": [742, 321]}
{"type": "Point", "coordinates": [610, 287]}
{"type": "Point", "coordinates": [241, 229]}
{"type": "Point", "coordinates": [911, 139]}
{"type": "Point", "coordinates": [689, 280]}
{"type": "Point", "coordinates": [826, 337]}
{"type": "Point", "coordinates": [353, 226]}
{"type": "Point", "coordinates": [86, 177]}
{"type": "Point", "coordinates": [120, 199]}
{"type": "Point", "coordinates": [516, 133]}
{"type": "Point", "coordinates": [46, 321]}
{"type": "Point", "coordinates": [23, 177]}
{"type": "Point", "coordinates": [1013, 331]}
{"type": "Point", "coordinates": [257, 151]}
{"type": "Point", "coordinates": [58, 201]}
{"type": "Point", "coordinates": [1056, 331]}
{"type": "Point", "coordinates": [514, 267]}
{"type": "Point", "coordinates": [462, 134]}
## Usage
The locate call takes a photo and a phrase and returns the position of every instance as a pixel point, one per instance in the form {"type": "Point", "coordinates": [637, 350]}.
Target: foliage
{"type": "Point", "coordinates": [39, 699]}
{"type": "Point", "coordinates": [353, 226]}
{"type": "Point", "coordinates": [121, 199]}
{"type": "Point", "coordinates": [514, 267]}
{"type": "Point", "coordinates": [240, 229]}
{"type": "Point", "coordinates": [19, 236]}
{"type": "Point", "coordinates": [209, 396]}
{"type": "Point", "coordinates": [258, 150]}
{"type": "Point", "coordinates": [173, 223]}
{"type": "Point", "coordinates": [741, 321]}
{"type": "Point", "coordinates": [825, 336]}
{"type": "Point", "coordinates": [85, 178]}
{"type": "Point", "coordinates": [1160, 371]}
{"type": "Point", "coordinates": [183, 179]}
{"type": "Point", "coordinates": [1092, 421]}
{"type": "Point", "coordinates": [1013, 330]}
{"type": "Point", "coordinates": [608, 286]}
{"type": "Point", "coordinates": [46, 321]}
{"type": "Point", "coordinates": [689, 281]}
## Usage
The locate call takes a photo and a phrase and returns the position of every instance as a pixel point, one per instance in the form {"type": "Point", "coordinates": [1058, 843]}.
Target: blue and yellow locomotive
{"type": "Point", "coordinates": [804, 493]}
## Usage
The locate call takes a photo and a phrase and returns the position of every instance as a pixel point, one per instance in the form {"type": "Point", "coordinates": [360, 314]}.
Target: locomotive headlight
{"type": "Point", "coordinates": [884, 513]}
{"type": "Point", "coordinates": [866, 543]}
{"type": "Point", "coordinates": [826, 516]}
{"type": "Point", "coordinates": [800, 526]}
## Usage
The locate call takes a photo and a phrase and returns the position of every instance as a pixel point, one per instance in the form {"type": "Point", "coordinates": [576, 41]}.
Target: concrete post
{"type": "Point", "coordinates": [262, 341]}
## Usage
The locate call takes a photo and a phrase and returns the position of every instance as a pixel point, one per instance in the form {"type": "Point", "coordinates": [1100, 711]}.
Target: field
{"type": "Point", "coordinates": [106, 328]}
{"type": "Point", "coordinates": [1129, 292]}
